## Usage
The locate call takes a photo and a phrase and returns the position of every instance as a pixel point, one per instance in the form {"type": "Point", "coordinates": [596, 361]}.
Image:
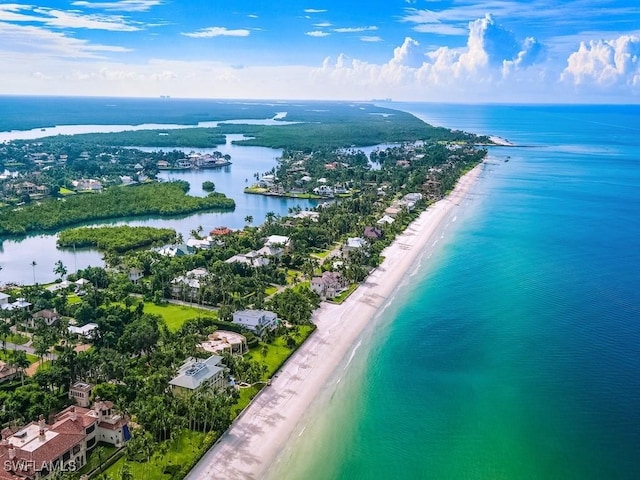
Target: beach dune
{"type": "Point", "coordinates": [251, 445]}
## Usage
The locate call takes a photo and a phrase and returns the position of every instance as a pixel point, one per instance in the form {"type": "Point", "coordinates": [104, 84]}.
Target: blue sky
{"type": "Point", "coordinates": [422, 50]}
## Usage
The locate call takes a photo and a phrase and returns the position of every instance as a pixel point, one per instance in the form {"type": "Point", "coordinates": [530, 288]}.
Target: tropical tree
{"type": "Point", "coordinates": [248, 219]}
{"type": "Point", "coordinates": [20, 361]}
{"type": "Point", "coordinates": [59, 269]}
{"type": "Point", "coordinates": [5, 331]}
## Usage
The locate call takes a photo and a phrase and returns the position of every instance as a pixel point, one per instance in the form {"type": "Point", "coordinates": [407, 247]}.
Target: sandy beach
{"type": "Point", "coordinates": [253, 442]}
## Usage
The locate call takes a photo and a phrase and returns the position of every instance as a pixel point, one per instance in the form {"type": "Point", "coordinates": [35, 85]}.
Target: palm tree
{"type": "Point", "coordinates": [21, 362]}
{"type": "Point", "coordinates": [248, 219]}
{"type": "Point", "coordinates": [33, 264]}
{"type": "Point", "coordinates": [5, 331]}
{"type": "Point", "coordinates": [60, 269]}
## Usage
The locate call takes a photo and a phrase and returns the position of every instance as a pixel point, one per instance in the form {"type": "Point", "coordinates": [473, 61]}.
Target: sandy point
{"type": "Point", "coordinates": [255, 439]}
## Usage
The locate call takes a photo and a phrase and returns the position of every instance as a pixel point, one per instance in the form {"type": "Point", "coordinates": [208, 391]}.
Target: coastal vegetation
{"type": "Point", "coordinates": [118, 239]}
{"type": "Point", "coordinates": [148, 325]}
{"type": "Point", "coordinates": [163, 199]}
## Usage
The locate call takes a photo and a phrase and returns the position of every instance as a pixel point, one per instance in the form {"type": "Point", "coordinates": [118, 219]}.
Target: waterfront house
{"type": "Point", "coordinates": [33, 451]}
{"type": "Point", "coordinates": [256, 321]}
{"type": "Point", "coordinates": [372, 233]}
{"type": "Point", "coordinates": [385, 219]}
{"type": "Point", "coordinates": [194, 373]}
{"type": "Point", "coordinates": [222, 341]}
{"type": "Point", "coordinates": [253, 259]}
{"type": "Point", "coordinates": [328, 285]}
{"type": "Point", "coordinates": [4, 299]}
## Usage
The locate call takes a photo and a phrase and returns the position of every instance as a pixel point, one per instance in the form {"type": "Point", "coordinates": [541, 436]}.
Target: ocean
{"type": "Point", "coordinates": [514, 351]}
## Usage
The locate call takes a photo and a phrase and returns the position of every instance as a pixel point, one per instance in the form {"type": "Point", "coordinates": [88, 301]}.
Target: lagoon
{"type": "Point", "coordinates": [17, 254]}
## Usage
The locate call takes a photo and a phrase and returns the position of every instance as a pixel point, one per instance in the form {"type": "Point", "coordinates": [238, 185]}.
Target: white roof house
{"type": "Point", "coordinates": [355, 243]}
{"type": "Point", "coordinates": [386, 219]}
{"type": "Point", "coordinates": [86, 331]}
{"type": "Point", "coordinates": [4, 298]}
{"type": "Point", "coordinates": [277, 240]}
{"type": "Point", "coordinates": [195, 372]}
{"type": "Point", "coordinates": [256, 321]}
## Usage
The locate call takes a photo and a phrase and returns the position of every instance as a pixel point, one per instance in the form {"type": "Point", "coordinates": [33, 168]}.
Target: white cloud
{"type": "Point", "coordinates": [31, 42]}
{"type": "Point", "coordinates": [123, 5]}
{"type": "Point", "coordinates": [322, 24]}
{"type": "Point", "coordinates": [317, 33]}
{"type": "Point", "coordinates": [491, 57]}
{"type": "Point", "coordinates": [217, 32]}
{"type": "Point", "coordinates": [605, 62]}
{"type": "Point", "coordinates": [65, 19]}
{"type": "Point", "coordinates": [370, 38]}
{"type": "Point", "coordinates": [355, 29]}
{"type": "Point", "coordinates": [252, 15]}
{"type": "Point", "coordinates": [314, 10]}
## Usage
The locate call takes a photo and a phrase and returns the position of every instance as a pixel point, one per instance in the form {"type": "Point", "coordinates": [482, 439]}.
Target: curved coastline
{"type": "Point", "coordinates": [258, 437]}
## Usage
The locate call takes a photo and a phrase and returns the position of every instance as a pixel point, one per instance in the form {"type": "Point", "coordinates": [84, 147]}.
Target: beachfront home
{"type": "Point", "coordinates": [4, 299]}
{"type": "Point", "coordinates": [194, 373]}
{"type": "Point", "coordinates": [253, 259]}
{"type": "Point", "coordinates": [256, 321]}
{"type": "Point", "coordinates": [222, 341]}
{"type": "Point", "coordinates": [385, 219]}
{"type": "Point", "coordinates": [372, 233]}
{"type": "Point", "coordinates": [329, 285]}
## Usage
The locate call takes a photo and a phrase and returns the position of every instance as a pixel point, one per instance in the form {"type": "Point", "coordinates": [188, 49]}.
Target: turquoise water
{"type": "Point", "coordinates": [514, 353]}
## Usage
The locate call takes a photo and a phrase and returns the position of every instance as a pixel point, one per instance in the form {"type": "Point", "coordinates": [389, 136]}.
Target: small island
{"type": "Point", "coordinates": [117, 239]}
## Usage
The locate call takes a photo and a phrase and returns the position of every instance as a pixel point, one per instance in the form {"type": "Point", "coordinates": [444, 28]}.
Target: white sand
{"type": "Point", "coordinates": [250, 446]}
{"type": "Point", "coordinates": [503, 142]}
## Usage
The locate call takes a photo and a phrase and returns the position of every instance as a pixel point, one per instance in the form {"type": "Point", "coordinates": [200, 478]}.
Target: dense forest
{"type": "Point", "coordinates": [150, 199]}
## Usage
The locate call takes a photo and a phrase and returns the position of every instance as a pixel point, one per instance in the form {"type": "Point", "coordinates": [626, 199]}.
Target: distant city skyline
{"type": "Point", "coordinates": [409, 50]}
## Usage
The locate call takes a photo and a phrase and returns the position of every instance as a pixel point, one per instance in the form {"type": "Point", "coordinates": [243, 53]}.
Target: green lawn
{"type": "Point", "coordinates": [270, 291]}
{"type": "Point", "coordinates": [175, 315]}
{"type": "Point", "coordinates": [321, 255]}
{"type": "Point", "coordinates": [180, 452]}
{"type": "Point", "coordinates": [66, 191]}
{"type": "Point", "coordinates": [344, 295]}
{"type": "Point", "coordinates": [73, 298]}
{"type": "Point", "coordinates": [31, 358]}
{"type": "Point", "coordinates": [17, 338]}
{"type": "Point", "coordinates": [277, 351]}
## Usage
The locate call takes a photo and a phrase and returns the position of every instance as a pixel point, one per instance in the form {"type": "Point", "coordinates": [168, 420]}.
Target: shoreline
{"type": "Point", "coordinates": [251, 445]}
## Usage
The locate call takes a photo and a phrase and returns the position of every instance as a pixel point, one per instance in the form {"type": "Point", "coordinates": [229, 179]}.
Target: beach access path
{"type": "Point", "coordinates": [250, 446]}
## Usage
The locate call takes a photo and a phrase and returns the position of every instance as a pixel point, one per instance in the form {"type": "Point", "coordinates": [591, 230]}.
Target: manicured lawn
{"type": "Point", "coordinates": [246, 394]}
{"type": "Point", "coordinates": [180, 452]}
{"type": "Point", "coordinates": [18, 339]}
{"type": "Point", "coordinates": [73, 298]}
{"type": "Point", "coordinates": [321, 255]}
{"type": "Point", "coordinates": [66, 191]}
{"type": "Point", "coordinates": [292, 276]}
{"type": "Point", "coordinates": [175, 315]}
{"type": "Point", "coordinates": [277, 351]}
{"type": "Point", "coordinates": [270, 291]}
{"type": "Point", "coordinates": [344, 295]}
{"type": "Point", "coordinates": [31, 358]}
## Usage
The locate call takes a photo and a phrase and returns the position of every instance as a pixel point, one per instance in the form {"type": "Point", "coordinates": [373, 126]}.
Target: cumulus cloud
{"type": "Point", "coordinates": [492, 53]}
{"type": "Point", "coordinates": [217, 32]}
{"type": "Point", "coordinates": [605, 62]}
